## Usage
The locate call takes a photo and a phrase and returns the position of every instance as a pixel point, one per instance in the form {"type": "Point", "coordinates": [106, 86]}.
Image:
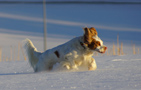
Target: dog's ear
{"type": "Point", "coordinates": [85, 29]}
{"type": "Point", "coordinates": [87, 35]}
{"type": "Point", "coordinates": [93, 31]}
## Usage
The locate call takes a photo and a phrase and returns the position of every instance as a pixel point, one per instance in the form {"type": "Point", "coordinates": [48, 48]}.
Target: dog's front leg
{"type": "Point", "coordinates": [92, 64]}
{"type": "Point", "coordinates": [70, 61]}
{"type": "Point", "coordinates": [68, 65]}
{"type": "Point", "coordinates": [65, 64]}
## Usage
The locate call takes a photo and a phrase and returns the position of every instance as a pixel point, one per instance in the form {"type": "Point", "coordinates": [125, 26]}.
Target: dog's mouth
{"type": "Point", "coordinates": [102, 51]}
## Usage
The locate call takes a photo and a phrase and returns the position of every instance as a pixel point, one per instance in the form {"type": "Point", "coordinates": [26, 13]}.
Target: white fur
{"type": "Point", "coordinates": [100, 48]}
{"type": "Point", "coordinates": [98, 39]}
{"type": "Point", "coordinates": [71, 55]}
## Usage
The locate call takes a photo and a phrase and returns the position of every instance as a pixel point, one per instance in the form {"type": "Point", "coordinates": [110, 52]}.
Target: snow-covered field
{"type": "Point", "coordinates": [113, 72]}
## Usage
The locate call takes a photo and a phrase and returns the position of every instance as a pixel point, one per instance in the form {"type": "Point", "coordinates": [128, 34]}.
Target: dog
{"type": "Point", "coordinates": [70, 55]}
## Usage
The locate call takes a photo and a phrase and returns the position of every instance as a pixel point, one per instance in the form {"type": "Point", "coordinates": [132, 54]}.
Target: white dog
{"type": "Point", "coordinates": [71, 55]}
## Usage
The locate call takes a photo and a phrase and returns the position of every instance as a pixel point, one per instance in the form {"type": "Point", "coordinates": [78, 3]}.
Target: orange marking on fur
{"type": "Point", "coordinates": [93, 31]}
{"type": "Point", "coordinates": [88, 38]}
{"type": "Point", "coordinates": [94, 44]}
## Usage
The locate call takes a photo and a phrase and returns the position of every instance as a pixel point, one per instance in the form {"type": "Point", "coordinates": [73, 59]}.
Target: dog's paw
{"type": "Point", "coordinates": [91, 68]}
{"type": "Point", "coordinates": [67, 67]}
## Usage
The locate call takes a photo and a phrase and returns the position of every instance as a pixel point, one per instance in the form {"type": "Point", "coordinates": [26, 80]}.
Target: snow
{"type": "Point", "coordinates": [113, 72]}
{"type": "Point", "coordinates": [110, 75]}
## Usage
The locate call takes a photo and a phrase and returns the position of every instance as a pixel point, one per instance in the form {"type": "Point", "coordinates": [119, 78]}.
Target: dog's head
{"type": "Point", "coordinates": [92, 41]}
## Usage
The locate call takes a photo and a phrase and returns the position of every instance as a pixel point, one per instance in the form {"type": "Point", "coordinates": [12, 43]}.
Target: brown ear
{"type": "Point", "coordinates": [93, 31]}
{"type": "Point", "coordinates": [87, 35]}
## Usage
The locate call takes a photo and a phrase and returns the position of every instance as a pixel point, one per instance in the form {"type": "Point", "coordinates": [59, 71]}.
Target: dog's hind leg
{"type": "Point", "coordinates": [32, 53]}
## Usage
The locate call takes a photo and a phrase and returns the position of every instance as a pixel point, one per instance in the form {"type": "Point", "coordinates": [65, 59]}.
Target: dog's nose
{"type": "Point", "coordinates": [105, 48]}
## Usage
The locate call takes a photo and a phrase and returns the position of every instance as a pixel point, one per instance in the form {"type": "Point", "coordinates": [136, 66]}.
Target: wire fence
{"type": "Point", "coordinates": [17, 53]}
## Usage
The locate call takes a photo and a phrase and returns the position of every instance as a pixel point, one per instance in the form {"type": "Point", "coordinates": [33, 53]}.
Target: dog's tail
{"type": "Point", "coordinates": [32, 53]}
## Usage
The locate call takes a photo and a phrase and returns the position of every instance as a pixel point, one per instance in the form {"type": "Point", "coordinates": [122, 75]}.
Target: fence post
{"type": "Point", "coordinates": [122, 49]}
{"type": "Point", "coordinates": [114, 53]}
{"type": "Point", "coordinates": [118, 50]}
{"type": "Point", "coordinates": [44, 21]}
{"type": "Point", "coordinates": [14, 53]}
{"type": "Point", "coordinates": [134, 51]}
{"type": "Point", "coordinates": [18, 57]}
{"type": "Point", "coordinates": [11, 53]}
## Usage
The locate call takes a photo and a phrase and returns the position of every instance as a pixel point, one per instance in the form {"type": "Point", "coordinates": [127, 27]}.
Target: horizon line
{"type": "Point", "coordinates": [66, 23]}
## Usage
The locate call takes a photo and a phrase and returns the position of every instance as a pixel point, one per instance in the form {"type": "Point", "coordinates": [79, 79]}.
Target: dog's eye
{"type": "Point", "coordinates": [99, 44]}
